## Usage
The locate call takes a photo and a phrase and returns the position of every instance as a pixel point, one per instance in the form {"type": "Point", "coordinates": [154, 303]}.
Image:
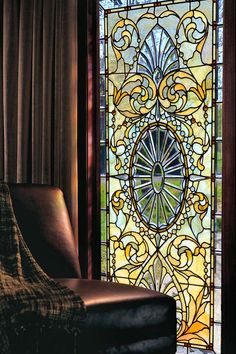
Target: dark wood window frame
{"type": "Point", "coordinates": [88, 139]}
{"type": "Point", "coordinates": [88, 151]}
{"type": "Point", "coordinates": [229, 174]}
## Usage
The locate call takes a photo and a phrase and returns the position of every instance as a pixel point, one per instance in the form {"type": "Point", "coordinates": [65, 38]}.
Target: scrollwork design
{"type": "Point", "coordinates": [179, 93]}
{"type": "Point", "coordinates": [195, 28]}
{"type": "Point", "coordinates": [136, 97]}
{"type": "Point", "coordinates": [118, 149]}
{"type": "Point", "coordinates": [134, 246]}
{"type": "Point", "coordinates": [117, 201]}
{"type": "Point", "coordinates": [201, 204]}
{"type": "Point", "coordinates": [181, 252]}
{"type": "Point", "coordinates": [123, 38]}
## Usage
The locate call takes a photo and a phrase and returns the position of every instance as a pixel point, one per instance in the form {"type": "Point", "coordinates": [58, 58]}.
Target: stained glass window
{"type": "Point", "coordinates": [161, 156]}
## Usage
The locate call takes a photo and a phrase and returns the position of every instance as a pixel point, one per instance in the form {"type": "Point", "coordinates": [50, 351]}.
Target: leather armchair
{"type": "Point", "coordinates": [121, 319]}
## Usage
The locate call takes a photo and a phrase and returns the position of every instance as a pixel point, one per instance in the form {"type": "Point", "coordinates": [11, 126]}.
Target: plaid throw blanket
{"type": "Point", "coordinates": [37, 315]}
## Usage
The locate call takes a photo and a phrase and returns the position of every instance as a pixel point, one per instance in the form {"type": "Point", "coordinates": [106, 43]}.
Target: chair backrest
{"type": "Point", "coordinates": [43, 219]}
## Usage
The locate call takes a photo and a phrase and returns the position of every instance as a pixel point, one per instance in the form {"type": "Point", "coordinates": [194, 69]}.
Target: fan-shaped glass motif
{"type": "Point", "coordinates": [158, 55]}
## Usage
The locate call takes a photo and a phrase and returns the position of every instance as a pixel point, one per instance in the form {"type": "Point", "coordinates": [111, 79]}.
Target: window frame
{"type": "Point", "coordinates": [228, 201]}
{"type": "Point", "coordinates": [88, 146]}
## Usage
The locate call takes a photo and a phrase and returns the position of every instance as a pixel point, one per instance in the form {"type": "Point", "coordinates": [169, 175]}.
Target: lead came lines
{"type": "Point", "coordinates": [155, 190]}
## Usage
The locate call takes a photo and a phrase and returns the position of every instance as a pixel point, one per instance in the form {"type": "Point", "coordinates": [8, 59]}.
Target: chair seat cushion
{"type": "Point", "coordinates": [118, 313]}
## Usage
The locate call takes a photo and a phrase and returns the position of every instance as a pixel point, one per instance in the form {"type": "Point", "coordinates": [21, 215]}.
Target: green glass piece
{"type": "Point", "coordinates": [103, 192]}
{"type": "Point", "coordinates": [219, 120]}
{"type": "Point", "coordinates": [218, 195]}
{"type": "Point", "coordinates": [158, 177]}
{"type": "Point", "coordinates": [104, 259]}
{"type": "Point", "coordinates": [103, 225]}
{"type": "Point", "coordinates": [219, 158]}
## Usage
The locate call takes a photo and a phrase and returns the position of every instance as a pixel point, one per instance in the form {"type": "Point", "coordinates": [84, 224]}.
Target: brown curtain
{"type": "Point", "coordinates": [38, 94]}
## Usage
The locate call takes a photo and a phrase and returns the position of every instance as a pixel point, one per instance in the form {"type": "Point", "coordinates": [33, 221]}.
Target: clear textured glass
{"type": "Point", "coordinates": [104, 259]}
{"type": "Point", "coordinates": [218, 233]}
{"type": "Point", "coordinates": [220, 8]}
{"type": "Point", "coordinates": [219, 76]}
{"type": "Point", "coordinates": [102, 124]}
{"type": "Point", "coordinates": [139, 2]}
{"type": "Point", "coordinates": [219, 95]}
{"type": "Point", "coordinates": [217, 338]}
{"type": "Point", "coordinates": [219, 45]}
{"type": "Point", "coordinates": [101, 23]}
{"type": "Point", "coordinates": [111, 4]}
{"type": "Point", "coordinates": [218, 282]}
{"type": "Point", "coordinates": [102, 91]}
{"type": "Point", "coordinates": [102, 56]}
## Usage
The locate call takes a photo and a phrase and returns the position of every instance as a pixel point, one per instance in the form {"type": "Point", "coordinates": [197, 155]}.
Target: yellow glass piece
{"type": "Point", "coordinates": [179, 93]}
{"type": "Point", "coordinates": [136, 97]}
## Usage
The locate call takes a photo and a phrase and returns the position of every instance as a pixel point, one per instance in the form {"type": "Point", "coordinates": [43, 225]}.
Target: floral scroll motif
{"type": "Point", "coordinates": [125, 36]}
{"type": "Point", "coordinates": [179, 93]}
{"type": "Point", "coordinates": [191, 33]}
{"type": "Point", "coordinates": [136, 97]}
{"type": "Point", "coordinates": [159, 136]}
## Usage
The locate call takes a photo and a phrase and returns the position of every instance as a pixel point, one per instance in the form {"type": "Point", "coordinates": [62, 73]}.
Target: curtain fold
{"type": "Point", "coordinates": [38, 95]}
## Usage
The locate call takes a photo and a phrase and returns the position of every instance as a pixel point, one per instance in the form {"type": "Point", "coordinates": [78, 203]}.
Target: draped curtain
{"type": "Point", "coordinates": [38, 95]}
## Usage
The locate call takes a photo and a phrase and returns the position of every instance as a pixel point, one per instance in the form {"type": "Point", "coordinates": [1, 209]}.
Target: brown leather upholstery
{"type": "Point", "coordinates": [122, 315]}
{"type": "Point", "coordinates": [121, 319]}
{"type": "Point", "coordinates": [43, 219]}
